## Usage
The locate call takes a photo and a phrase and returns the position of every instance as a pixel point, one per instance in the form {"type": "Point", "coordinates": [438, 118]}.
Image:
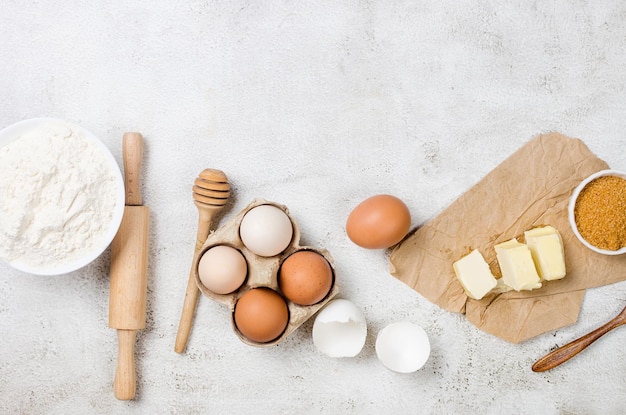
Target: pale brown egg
{"type": "Point", "coordinates": [305, 277]}
{"type": "Point", "coordinates": [378, 222]}
{"type": "Point", "coordinates": [261, 315]}
{"type": "Point", "coordinates": [222, 269]}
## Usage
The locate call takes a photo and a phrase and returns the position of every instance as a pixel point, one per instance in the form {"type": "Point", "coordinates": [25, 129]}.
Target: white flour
{"type": "Point", "coordinates": [57, 197]}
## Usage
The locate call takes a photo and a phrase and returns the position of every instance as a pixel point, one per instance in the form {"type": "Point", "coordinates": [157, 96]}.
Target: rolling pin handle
{"type": "Point", "coordinates": [125, 382]}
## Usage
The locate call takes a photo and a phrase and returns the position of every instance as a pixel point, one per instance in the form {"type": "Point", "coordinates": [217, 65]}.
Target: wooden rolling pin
{"type": "Point", "coordinates": [129, 268]}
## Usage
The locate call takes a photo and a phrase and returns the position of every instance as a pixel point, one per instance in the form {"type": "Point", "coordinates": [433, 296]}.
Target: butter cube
{"type": "Point", "coordinates": [517, 266]}
{"type": "Point", "coordinates": [546, 247]}
{"type": "Point", "coordinates": [474, 275]}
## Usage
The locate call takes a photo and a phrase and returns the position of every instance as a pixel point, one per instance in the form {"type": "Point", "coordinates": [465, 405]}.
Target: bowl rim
{"type": "Point", "coordinates": [572, 204]}
{"type": "Point", "coordinates": [11, 133]}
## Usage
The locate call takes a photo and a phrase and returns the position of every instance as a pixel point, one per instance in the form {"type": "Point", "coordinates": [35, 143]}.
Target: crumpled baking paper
{"type": "Point", "coordinates": [530, 188]}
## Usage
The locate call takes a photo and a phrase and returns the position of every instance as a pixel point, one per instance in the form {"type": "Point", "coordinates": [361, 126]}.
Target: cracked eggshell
{"type": "Point", "coordinates": [403, 347]}
{"type": "Point", "coordinates": [340, 329]}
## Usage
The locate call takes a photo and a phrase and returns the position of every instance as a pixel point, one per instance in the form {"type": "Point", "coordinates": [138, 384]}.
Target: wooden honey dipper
{"type": "Point", "coordinates": [211, 192]}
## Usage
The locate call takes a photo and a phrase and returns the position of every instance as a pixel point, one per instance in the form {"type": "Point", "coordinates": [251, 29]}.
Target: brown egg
{"type": "Point", "coordinates": [261, 315]}
{"type": "Point", "coordinates": [305, 277]}
{"type": "Point", "coordinates": [379, 222]}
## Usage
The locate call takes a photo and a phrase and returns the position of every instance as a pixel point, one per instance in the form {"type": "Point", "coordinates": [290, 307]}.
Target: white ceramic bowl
{"type": "Point", "coordinates": [11, 133]}
{"type": "Point", "coordinates": [572, 204]}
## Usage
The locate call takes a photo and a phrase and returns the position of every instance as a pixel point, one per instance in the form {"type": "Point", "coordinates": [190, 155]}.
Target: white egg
{"type": "Point", "coordinates": [266, 230]}
{"type": "Point", "coordinates": [340, 329]}
{"type": "Point", "coordinates": [403, 347]}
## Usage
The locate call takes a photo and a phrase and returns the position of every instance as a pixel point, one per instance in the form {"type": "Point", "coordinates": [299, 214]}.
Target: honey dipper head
{"type": "Point", "coordinates": [211, 188]}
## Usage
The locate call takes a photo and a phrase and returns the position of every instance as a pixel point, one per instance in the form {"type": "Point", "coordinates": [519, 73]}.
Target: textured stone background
{"type": "Point", "coordinates": [316, 105]}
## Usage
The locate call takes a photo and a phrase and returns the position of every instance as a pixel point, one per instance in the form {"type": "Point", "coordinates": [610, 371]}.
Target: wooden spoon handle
{"type": "Point", "coordinates": [125, 376]}
{"type": "Point", "coordinates": [132, 144]}
{"type": "Point", "coordinates": [191, 294]}
{"type": "Point", "coordinates": [564, 353]}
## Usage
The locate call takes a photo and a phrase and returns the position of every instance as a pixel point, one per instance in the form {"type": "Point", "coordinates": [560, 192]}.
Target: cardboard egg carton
{"type": "Point", "coordinates": [262, 272]}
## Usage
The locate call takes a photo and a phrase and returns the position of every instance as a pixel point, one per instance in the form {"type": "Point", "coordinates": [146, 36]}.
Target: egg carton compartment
{"type": "Point", "coordinates": [262, 272]}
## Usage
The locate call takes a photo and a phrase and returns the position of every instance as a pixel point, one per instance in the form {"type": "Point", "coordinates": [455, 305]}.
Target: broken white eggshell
{"type": "Point", "coordinates": [403, 347]}
{"type": "Point", "coordinates": [340, 329]}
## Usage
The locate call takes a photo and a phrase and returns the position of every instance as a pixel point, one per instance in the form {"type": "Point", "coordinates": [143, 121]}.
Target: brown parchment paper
{"type": "Point", "coordinates": [530, 188]}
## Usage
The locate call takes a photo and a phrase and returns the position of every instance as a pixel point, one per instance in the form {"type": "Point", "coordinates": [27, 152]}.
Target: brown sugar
{"type": "Point", "coordinates": [600, 212]}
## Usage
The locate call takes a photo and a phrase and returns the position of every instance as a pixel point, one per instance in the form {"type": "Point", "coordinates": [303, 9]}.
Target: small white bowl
{"type": "Point", "coordinates": [572, 204]}
{"type": "Point", "coordinates": [11, 133]}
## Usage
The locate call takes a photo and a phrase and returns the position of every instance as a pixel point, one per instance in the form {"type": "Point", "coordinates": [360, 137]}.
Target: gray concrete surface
{"type": "Point", "coordinates": [316, 105]}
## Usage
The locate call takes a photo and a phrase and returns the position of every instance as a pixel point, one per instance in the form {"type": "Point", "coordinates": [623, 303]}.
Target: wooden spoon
{"type": "Point", "coordinates": [211, 192]}
{"type": "Point", "coordinates": [564, 353]}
